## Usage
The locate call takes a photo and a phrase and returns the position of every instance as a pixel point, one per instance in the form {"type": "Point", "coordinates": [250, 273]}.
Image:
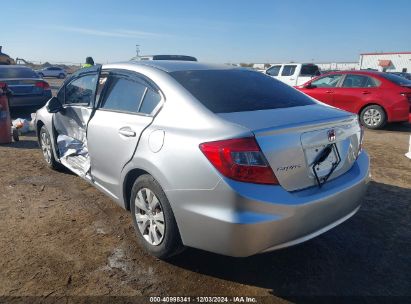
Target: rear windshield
{"type": "Point", "coordinates": [309, 70]}
{"type": "Point", "coordinates": [397, 79]}
{"type": "Point", "coordinates": [225, 91]}
{"type": "Point", "coordinates": [17, 72]}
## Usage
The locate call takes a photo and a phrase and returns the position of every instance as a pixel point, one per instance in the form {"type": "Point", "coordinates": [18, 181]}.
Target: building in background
{"type": "Point", "coordinates": [386, 62]}
{"type": "Point", "coordinates": [340, 66]}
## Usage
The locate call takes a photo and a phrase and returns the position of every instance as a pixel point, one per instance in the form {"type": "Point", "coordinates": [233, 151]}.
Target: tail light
{"type": "Point", "coordinates": [240, 159]}
{"type": "Point", "coordinates": [361, 137]}
{"type": "Point", "coordinates": [42, 84]}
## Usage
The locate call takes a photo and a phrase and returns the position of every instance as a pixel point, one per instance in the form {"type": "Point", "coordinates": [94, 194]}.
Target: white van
{"type": "Point", "coordinates": [293, 74]}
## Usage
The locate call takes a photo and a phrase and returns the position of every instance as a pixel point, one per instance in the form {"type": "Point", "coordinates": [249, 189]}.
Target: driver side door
{"type": "Point", "coordinates": [77, 97]}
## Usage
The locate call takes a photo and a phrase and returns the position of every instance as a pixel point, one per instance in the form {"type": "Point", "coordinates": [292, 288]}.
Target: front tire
{"type": "Point", "coordinates": [373, 117]}
{"type": "Point", "coordinates": [47, 149]}
{"type": "Point", "coordinates": [153, 218]}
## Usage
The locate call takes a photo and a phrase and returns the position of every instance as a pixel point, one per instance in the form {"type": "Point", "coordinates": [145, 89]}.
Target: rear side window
{"type": "Point", "coordinates": [123, 94]}
{"type": "Point", "coordinates": [288, 70]}
{"type": "Point", "coordinates": [81, 90]}
{"type": "Point", "coordinates": [309, 70]}
{"type": "Point", "coordinates": [237, 90]}
{"type": "Point", "coordinates": [359, 81]}
{"type": "Point", "coordinates": [17, 72]}
{"type": "Point", "coordinates": [150, 101]}
{"type": "Point", "coordinates": [274, 70]}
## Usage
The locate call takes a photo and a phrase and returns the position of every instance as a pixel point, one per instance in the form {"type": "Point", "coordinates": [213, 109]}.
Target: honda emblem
{"type": "Point", "coordinates": [331, 135]}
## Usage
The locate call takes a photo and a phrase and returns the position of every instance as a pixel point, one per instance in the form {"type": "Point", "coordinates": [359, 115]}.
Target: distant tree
{"type": "Point", "coordinates": [267, 65]}
{"type": "Point", "coordinates": [247, 65]}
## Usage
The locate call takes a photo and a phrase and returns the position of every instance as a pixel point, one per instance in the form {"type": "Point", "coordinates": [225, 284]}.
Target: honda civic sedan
{"type": "Point", "coordinates": [218, 158]}
{"type": "Point", "coordinates": [28, 89]}
{"type": "Point", "coordinates": [378, 98]}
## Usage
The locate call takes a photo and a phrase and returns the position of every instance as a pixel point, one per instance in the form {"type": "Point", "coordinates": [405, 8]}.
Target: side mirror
{"type": "Point", "coordinates": [309, 86]}
{"type": "Point", "coordinates": [54, 105]}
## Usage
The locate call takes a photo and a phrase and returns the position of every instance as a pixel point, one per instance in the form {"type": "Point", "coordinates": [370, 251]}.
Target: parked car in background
{"type": "Point", "coordinates": [52, 72]}
{"type": "Point", "coordinates": [322, 72]}
{"type": "Point", "coordinates": [402, 74]}
{"type": "Point", "coordinates": [376, 97]}
{"type": "Point", "coordinates": [209, 156]}
{"type": "Point", "coordinates": [293, 73]}
{"type": "Point", "coordinates": [27, 88]}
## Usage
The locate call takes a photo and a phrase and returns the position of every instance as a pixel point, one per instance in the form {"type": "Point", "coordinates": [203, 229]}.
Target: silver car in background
{"type": "Point", "coordinates": [218, 158]}
{"type": "Point", "coordinates": [52, 72]}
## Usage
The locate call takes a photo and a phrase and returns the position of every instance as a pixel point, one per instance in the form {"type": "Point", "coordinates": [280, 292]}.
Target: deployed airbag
{"type": "Point", "coordinates": [74, 154]}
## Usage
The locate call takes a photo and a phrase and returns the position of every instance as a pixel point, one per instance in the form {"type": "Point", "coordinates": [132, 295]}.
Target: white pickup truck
{"type": "Point", "coordinates": [293, 74]}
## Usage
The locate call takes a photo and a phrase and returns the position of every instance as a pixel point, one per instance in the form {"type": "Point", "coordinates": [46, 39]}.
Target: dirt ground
{"type": "Point", "coordinates": [60, 237]}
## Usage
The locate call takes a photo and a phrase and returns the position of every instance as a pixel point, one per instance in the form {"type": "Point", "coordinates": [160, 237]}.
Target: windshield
{"type": "Point", "coordinates": [225, 91]}
{"type": "Point", "coordinates": [17, 72]}
{"type": "Point", "coordinates": [397, 79]}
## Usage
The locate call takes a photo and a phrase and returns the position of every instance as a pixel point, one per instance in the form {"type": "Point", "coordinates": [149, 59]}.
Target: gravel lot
{"type": "Point", "coordinates": [59, 236]}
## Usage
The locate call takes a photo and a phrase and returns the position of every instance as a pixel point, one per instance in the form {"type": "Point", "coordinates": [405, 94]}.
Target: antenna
{"type": "Point", "coordinates": [137, 50]}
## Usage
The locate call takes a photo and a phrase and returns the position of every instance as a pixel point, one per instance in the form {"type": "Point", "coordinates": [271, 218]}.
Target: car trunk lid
{"type": "Point", "coordinates": [24, 86]}
{"type": "Point", "coordinates": [293, 138]}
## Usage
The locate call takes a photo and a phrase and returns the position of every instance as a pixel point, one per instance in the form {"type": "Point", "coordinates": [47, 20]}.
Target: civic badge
{"type": "Point", "coordinates": [331, 135]}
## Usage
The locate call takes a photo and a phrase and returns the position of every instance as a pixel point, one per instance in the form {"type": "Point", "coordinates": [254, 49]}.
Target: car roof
{"type": "Point", "coordinates": [178, 65]}
{"type": "Point", "coordinates": [360, 72]}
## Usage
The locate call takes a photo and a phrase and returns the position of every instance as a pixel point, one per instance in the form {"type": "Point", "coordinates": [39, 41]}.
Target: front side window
{"type": "Point", "coordinates": [329, 81]}
{"type": "Point", "coordinates": [288, 70]}
{"type": "Point", "coordinates": [274, 70]}
{"type": "Point", "coordinates": [123, 94]}
{"type": "Point", "coordinates": [359, 81]}
{"type": "Point", "coordinates": [81, 90]}
{"type": "Point", "coordinates": [238, 90]}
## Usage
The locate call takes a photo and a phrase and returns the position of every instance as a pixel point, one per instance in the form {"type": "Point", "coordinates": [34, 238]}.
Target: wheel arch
{"type": "Point", "coordinates": [374, 103]}
{"type": "Point", "coordinates": [39, 125]}
{"type": "Point", "coordinates": [129, 180]}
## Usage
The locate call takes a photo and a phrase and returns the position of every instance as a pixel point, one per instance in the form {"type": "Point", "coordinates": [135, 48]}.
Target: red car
{"type": "Point", "coordinates": [376, 97]}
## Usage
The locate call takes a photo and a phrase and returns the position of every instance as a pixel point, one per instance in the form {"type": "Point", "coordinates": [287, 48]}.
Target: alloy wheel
{"type": "Point", "coordinates": [372, 117]}
{"type": "Point", "coordinates": [149, 216]}
{"type": "Point", "coordinates": [46, 147]}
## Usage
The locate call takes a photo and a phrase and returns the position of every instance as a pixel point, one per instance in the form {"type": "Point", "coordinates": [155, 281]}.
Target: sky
{"type": "Point", "coordinates": [224, 31]}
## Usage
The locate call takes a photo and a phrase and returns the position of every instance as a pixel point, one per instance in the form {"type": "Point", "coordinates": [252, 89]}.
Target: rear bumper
{"type": "Point", "coordinates": [29, 100]}
{"type": "Point", "coordinates": [241, 219]}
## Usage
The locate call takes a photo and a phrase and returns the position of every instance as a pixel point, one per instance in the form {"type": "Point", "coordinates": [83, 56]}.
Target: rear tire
{"type": "Point", "coordinates": [373, 117]}
{"type": "Point", "coordinates": [16, 136]}
{"type": "Point", "coordinates": [153, 218]}
{"type": "Point", "coordinates": [47, 149]}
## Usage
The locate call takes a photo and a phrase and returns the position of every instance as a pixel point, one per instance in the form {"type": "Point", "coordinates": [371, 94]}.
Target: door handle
{"type": "Point", "coordinates": [366, 92]}
{"type": "Point", "coordinates": [328, 92]}
{"type": "Point", "coordinates": [127, 131]}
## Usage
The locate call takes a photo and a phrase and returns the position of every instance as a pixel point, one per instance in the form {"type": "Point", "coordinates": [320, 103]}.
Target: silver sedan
{"type": "Point", "coordinates": [213, 157]}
